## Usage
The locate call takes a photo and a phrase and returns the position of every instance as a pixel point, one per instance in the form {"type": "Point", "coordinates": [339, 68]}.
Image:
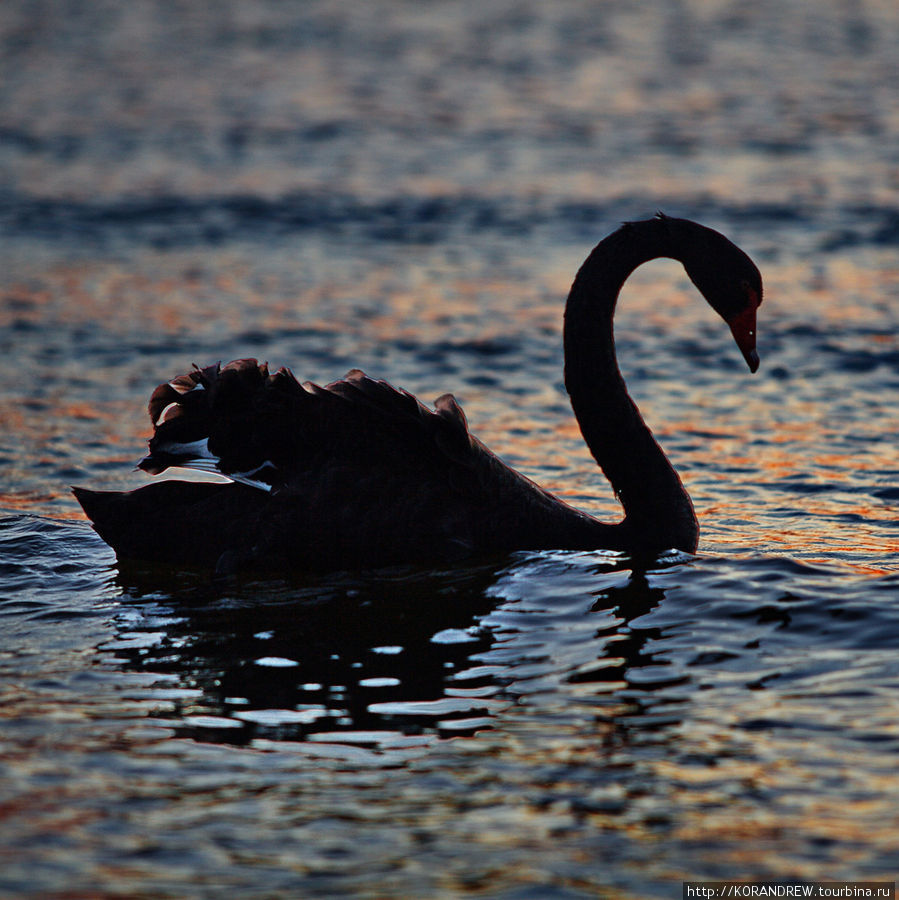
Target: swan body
{"type": "Point", "coordinates": [360, 474]}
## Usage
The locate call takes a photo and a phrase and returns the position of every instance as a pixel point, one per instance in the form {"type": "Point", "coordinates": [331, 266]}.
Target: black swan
{"type": "Point", "coordinates": [360, 474]}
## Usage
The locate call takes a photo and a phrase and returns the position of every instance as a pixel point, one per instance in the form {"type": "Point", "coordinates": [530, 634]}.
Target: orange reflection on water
{"type": "Point", "coordinates": [796, 497]}
{"type": "Point", "coordinates": [718, 805]}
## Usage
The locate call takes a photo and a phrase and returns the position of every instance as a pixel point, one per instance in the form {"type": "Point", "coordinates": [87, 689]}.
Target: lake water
{"type": "Point", "coordinates": [410, 188]}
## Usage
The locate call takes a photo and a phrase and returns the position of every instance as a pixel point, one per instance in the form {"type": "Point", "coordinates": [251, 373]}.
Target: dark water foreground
{"type": "Point", "coordinates": [548, 721]}
{"type": "Point", "coordinates": [410, 188]}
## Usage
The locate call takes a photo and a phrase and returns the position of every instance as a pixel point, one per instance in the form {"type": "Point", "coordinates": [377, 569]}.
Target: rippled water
{"type": "Point", "coordinates": [410, 188]}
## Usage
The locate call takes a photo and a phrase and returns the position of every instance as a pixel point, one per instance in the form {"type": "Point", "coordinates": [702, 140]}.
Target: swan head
{"type": "Point", "coordinates": [727, 278]}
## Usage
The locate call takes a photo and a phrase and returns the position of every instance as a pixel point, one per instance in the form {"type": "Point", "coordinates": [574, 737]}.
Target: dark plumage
{"type": "Point", "coordinates": [360, 474]}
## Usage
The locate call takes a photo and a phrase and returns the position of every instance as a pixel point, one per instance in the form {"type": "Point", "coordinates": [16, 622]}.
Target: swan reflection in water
{"type": "Point", "coordinates": [385, 660]}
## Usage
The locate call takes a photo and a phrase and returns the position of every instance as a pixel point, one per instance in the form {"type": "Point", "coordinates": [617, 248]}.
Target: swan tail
{"type": "Point", "coordinates": [209, 420]}
{"type": "Point", "coordinates": [261, 428]}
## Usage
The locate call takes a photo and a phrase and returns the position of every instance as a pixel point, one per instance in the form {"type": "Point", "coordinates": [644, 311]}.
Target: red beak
{"type": "Point", "coordinates": [742, 327]}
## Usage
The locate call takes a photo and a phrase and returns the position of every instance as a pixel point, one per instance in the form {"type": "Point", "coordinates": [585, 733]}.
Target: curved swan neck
{"type": "Point", "coordinates": [658, 511]}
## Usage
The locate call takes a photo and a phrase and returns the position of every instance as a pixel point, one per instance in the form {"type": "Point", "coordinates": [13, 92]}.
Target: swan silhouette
{"type": "Point", "coordinates": [360, 474]}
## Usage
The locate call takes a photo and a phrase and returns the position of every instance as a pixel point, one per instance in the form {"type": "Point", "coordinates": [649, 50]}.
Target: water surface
{"type": "Point", "coordinates": [410, 189]}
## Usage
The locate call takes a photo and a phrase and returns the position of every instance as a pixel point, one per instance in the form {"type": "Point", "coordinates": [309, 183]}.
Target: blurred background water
{"type": "Point", "coordinates": [409, 188]}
